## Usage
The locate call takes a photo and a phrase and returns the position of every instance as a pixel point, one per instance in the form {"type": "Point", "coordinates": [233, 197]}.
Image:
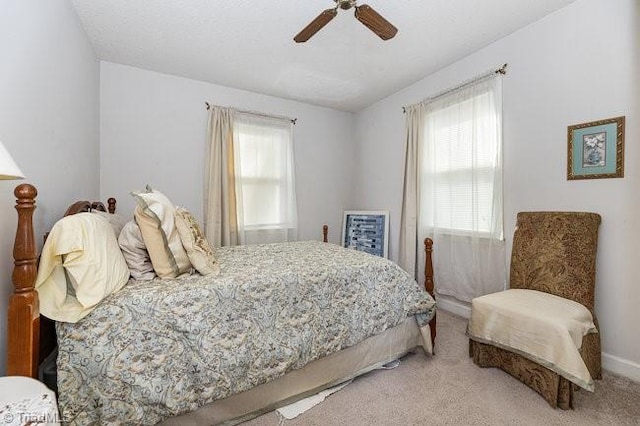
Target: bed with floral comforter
{"type": "Point", "coordinates": [160, 348]}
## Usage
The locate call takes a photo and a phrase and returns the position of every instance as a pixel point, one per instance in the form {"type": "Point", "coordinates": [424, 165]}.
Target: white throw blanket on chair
{"type": "Point", "coordinates": [542, 327]}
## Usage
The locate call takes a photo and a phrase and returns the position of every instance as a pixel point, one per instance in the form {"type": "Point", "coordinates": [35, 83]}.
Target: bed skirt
{"type": "Point", "coordinates": [324, 373]}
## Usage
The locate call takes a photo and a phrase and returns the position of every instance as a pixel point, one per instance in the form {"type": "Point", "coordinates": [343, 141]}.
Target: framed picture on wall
{"type": "Point", "coordinates": [596, 149]}
{"type": "Point", "coordinates": [366, 231]}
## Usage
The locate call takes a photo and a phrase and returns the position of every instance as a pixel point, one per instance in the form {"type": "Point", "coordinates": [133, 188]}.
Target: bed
{"type": "Point", "coordinates": [210, 350]}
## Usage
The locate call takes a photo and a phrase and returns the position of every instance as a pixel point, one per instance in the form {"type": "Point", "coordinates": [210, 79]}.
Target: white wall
{"type": "Point", "coordinates": [153, 130]}
{"type": "Point", "coordinates": [577, 65]}
{"type": "Point", "coordinates": [48, 119]}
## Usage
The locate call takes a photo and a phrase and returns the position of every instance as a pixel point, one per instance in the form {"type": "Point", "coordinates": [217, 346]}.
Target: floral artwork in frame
{"type": "Point", "coordinates": [596, 149]}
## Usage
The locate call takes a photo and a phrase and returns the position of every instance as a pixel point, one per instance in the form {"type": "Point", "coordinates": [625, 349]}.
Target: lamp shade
{"type": "Point", "coordinates": [9, 170]}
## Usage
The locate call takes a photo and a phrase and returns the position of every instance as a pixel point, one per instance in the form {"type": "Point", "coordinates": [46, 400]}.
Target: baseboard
{"type": "Point", "coordinates": [621, 366]}
{"type": "Point", "coordinates": [454, 306]}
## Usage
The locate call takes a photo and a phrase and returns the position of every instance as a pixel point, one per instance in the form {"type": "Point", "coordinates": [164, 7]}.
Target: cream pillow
{"type": "Point", "coordinates": [154, 215]}
{"type": "Point", "coordinates": [135, 252]}
{"type": "Point", "coordinates": [194, 241]}
{"type": "Point", "coordinates": [83, 247]}
{"type": "Point", "coordinates": [116, 221]}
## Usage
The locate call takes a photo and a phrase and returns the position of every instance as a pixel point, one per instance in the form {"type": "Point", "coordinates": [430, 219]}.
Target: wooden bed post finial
{"type": "Point", "coordinates": [23, 322]}
{"type": "Point", "coordinates": [111, 202]}
{"type": "Point", "coordinates": [428, 280]}
{"type": "Point", "coordinates": [428, 268]}
{"type": "Point", "coordinates": [325, 233]}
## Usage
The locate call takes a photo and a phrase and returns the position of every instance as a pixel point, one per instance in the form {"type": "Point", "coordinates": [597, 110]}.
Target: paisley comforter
{"type": "Point", "coordinates": [160, 348]}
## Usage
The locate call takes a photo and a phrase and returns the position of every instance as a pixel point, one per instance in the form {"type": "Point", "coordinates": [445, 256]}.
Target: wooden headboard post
{"type": "Point", "coordinates": [428, 280]}
{"type": "Point", "coordinates": [23, 322]}
{"type": "Point", "coordinates": [112, 205]}
{"type": "Point", "coordinates": [31, 337]}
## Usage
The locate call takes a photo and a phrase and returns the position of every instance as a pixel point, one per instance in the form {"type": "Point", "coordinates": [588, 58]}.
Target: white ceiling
{"type": "Point", "coordinates": [248, 44]}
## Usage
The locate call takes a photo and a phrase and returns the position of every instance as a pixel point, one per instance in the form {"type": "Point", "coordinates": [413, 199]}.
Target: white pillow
{"type": "Point", "coordinates": [84, 247]}
{"type": "Point", "coordinates": [135, 252]}
{"type": "Point", "coordinates": [154, 215]}
{"type": "Point", "coordinates": [116, 221]}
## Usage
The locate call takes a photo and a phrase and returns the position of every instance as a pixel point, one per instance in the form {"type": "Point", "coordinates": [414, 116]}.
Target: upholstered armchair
{"type": "Point", "coordinates": [554, 254]}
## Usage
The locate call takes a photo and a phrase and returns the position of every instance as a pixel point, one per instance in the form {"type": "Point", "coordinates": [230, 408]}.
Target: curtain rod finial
{"type": "Point", "coordinates": [502, 70]}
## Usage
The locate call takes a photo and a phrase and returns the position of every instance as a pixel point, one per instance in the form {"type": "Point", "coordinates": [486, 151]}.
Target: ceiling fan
{"type": "Point", "coordinates": [365, 14]}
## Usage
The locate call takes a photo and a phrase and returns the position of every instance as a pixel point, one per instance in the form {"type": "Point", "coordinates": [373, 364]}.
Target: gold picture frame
{"type": "Point", "coordinates": [596, 149]}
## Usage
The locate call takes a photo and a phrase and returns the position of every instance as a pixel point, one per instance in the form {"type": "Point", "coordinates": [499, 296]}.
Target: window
{"type": "Point", "coordinates": [458, 140]}
{"type": "Point", "coordinates": [461, 171]}
{"type": "Point", "coordinates": [264, 172]}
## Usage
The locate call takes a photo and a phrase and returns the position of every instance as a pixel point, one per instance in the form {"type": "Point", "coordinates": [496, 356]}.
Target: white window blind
{"type": "Point", "coordinates": [461, 164]}
{"type": "Point", "coordinates": [265, 184]}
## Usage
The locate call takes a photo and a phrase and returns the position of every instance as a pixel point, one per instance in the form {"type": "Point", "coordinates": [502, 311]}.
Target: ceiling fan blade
{"type": "Point", "coordinates": [375, 22]}
{"type": "Point", "coordinates": [315, 25]}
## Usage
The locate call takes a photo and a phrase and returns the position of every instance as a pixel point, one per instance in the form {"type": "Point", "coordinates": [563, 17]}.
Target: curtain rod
{"type": "Point", "coordinates": [502, 70]}
{"type": "Point", "coordinates": [260, 114]}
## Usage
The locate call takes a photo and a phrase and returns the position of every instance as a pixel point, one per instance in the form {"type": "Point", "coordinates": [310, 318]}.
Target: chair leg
{"type": "Point", "coordinates": [591, 353]}
{"type": "Point", "coordinates": [565, 394]}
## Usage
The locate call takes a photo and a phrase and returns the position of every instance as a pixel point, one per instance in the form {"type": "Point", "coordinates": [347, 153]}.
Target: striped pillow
{"type": "Point", "coordinates": [154, 214]}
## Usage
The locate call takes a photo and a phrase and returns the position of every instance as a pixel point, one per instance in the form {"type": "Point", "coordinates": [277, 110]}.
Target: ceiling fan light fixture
{"type": "Point", "coordinates": [365, 14]}
{"type": "Point", "coordinates": [346, 4]}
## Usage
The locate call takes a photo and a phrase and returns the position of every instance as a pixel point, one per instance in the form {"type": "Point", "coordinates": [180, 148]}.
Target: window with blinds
{"type": "Point", "coordinates": [264, 169]}
{"type": "Point", "coordinates": [460, 162]}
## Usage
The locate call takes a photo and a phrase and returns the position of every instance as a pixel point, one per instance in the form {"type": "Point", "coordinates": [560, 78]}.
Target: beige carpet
{"type": "Point", "coordinates": [449, 389]}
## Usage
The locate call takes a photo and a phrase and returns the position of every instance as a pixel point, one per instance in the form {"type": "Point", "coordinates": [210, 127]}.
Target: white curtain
{"type": "Point", "coordinates": [265, 179]}
{"type": "Point", "coordinates": [409, 219]}
{"type": "Point", "coordinates": [221, 222]}
{"type": "Point", "coordinates": [459, 186]}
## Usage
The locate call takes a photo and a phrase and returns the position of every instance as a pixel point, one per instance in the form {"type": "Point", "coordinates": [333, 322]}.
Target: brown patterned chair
{"type": "Point", "coordinates": [553, 252]}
